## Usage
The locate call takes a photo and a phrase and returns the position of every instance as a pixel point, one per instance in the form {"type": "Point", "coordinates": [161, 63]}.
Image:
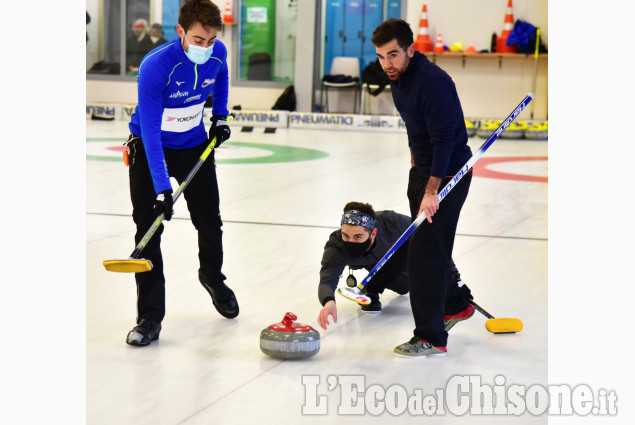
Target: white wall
{"type": "Point", "coordinates": [486, 90]}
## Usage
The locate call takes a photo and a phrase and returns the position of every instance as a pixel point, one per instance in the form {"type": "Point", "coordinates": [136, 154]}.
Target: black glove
{"type": "Point", "coordinates": [466, 292]}
{"type": "Point", "coordinates": [164, 204]}
{"type": "Point", "coordinates": [220, 129]}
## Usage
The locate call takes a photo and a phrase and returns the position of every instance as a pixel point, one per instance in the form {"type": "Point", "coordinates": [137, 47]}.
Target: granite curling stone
{"type": "Point", "coordinates": [538, 130]}
{"type": "Point", "coordinates": [487, 127]}
{"type": "Point", "coordinates": [288, 340]}
{"type": "Point", "coordinates": [515, 130]}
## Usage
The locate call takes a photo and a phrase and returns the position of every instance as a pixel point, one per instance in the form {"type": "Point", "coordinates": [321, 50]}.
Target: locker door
{"type": "Point", "coordinates": [373, 12]}
{"type": "Point", "coordinates": [353, 28]}
{"type": "Point", "coordinates": [334, 33]}
{"type": "Point", "coordinates": [393, 9]}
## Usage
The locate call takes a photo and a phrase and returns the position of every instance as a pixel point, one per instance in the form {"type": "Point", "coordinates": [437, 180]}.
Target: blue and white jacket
{"type": "Point", "coordinates": [172, 92]}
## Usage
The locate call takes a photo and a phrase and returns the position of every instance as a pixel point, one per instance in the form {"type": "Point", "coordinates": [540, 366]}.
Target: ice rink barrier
{"type": "Point", "coordinates": [346, 122]}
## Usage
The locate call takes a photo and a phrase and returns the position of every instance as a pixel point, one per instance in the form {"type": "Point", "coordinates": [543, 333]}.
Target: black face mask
{"type": "Point", "coordinates": [356, 249]}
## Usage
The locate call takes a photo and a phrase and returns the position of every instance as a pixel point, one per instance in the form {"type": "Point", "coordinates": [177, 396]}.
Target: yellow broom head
{"type": "Point", "coordinates": [128, 266]}
{"type": "Point", "coordinates": [504, 325]}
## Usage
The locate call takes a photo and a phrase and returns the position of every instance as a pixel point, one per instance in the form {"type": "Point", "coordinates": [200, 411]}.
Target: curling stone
{"type": "Point", "coordinates": [487, 127]}
{"type": "Point", "coordinates": [515, 130]}
{"type": "Point", "coordinates": [288, 340]}
{"type": "Point", "coordinates": [538, 130]}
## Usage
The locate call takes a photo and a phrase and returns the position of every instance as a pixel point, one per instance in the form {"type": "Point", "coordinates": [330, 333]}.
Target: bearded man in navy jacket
{"type": "Point", "coordinates": [427, 101]}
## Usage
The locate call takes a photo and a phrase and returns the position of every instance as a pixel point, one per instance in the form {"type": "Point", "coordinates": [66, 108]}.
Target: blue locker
{"type": "Point", "coordinates": [373, 16]}
{"type": "Point", "coordinates": [349, 26]}
{"type": "Point", "coordinates": [353, 28]}
{"type": "Point", "coordinates": [334, 33]}
{"type": "Point", "coordinates": [393, 9]}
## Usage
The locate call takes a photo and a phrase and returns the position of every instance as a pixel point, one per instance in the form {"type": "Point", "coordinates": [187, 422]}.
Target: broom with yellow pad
{"type": "Point", "coordinates": [501, 325]}
{"type": "Point", "coordinates": [134, 264]}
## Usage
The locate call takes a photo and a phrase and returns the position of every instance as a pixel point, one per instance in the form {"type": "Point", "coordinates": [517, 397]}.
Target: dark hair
{"type": "Point", "coordinates": [365, 208]}
{"type": "Point", "coordinates": [393, 29]}
{"type": "Point", "coordinates": [203, 11]}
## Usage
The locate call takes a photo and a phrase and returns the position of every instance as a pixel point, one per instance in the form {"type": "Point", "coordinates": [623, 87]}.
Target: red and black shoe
{"type": "Point", "coordinates": [450, 320]}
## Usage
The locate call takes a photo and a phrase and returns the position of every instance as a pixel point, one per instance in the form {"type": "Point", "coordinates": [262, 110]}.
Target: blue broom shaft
{"type": "Point", "coordinates": [448, 187]}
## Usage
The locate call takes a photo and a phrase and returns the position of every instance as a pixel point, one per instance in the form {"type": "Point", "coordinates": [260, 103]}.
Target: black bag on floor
{"type": "Point", "coordinates": [373, 74]}
{"type": "Point", "coordinates": [286, 101]}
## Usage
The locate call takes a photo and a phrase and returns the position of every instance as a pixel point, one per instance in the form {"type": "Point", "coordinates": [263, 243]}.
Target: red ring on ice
{"type": "Point", "coordinates": [481, 168]}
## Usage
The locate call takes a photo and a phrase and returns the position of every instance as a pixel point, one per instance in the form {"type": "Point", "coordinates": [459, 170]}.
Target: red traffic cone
{"type": "Point", "coordinates": [423, 43]}
{"type": "Point", "coordinates": [508, 26]}
{"type": "Point", "coordinates": [227, 17]}
{"type": "Point", "coordinates": [438, 48]}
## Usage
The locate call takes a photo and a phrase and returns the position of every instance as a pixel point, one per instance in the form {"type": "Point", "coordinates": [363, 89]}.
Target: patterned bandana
{"type": "Point", "coordinates": [358, 218]}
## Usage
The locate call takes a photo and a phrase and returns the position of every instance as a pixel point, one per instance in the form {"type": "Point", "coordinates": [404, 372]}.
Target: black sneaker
{"type": "Point", "coordinates": [375, 305]}
{"type": "Point", "coordinates": [144, 333]}
{"type": "Point", "coordinates": [224, 299]}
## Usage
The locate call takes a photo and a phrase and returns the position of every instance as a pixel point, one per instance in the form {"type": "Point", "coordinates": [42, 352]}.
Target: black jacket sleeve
{"type": "Point", "coordinates": [333, 263]}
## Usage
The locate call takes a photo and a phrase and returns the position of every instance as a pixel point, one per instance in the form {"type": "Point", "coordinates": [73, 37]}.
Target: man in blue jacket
{"type": "Point", "coordinates": [167, 137]}
{"type": "Point", "coordinates": [427, 100]}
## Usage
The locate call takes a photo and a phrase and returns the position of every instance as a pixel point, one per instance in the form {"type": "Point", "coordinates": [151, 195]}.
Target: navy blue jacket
{"type": "Point", "coordinates": [427, 100]}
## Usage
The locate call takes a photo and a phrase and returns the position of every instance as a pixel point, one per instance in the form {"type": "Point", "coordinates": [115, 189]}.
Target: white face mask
{"type": "Point", "coordinates": [198, 54]}
{"type": "Point", "coordinates": [154, 39]}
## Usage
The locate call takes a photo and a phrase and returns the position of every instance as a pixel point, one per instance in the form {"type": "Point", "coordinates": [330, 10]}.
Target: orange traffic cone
{"type": "Point", "coordinates": [227, 17]}
{"type": "Point", "coordinates": [423, 43]}
{"type": "Point", "coordinates": [438, 48]}
{"type": "Point", "coordinates": [508, 26]}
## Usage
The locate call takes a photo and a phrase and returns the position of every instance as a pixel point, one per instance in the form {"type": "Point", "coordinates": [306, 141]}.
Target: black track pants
{"type": "Point", "coordinates": [201, 196]}
{"type": "Point", "coordinates": [433, 292]}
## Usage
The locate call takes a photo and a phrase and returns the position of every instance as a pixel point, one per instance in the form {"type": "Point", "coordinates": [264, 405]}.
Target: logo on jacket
{"type": "Point", "coordinates": [179, 94]}
{"type": "Point", "coordinates": [178, 83]}
{"type": "Point", "coordinates": [208, 81]}
{"type": "Point", "coordinates": [190, 99]}
{"type": "Point", "coordinates": [183, 119]}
